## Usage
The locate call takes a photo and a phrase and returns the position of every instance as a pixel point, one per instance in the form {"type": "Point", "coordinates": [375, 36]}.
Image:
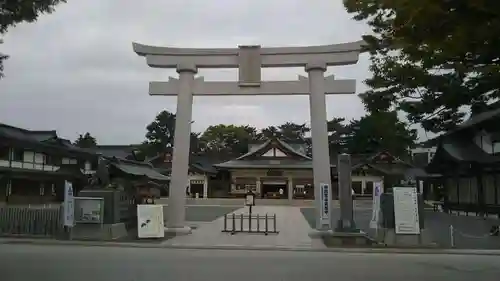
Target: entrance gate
{"type": "Point", "coordinates": [249, 60]}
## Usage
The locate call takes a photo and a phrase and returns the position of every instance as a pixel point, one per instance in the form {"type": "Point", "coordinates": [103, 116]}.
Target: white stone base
{"type": "Point", "coordinates": [178, 231]}
{"type": "Point", "coordinates": [314, 233]}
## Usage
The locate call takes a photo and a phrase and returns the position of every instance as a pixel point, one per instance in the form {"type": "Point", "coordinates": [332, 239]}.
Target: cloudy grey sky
{"type": "Point", "coordinates": [75, 71]}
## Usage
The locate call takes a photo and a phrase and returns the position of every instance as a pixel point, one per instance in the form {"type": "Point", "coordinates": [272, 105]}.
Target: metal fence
{"type": "Point", "coordinates": [31, 221]}
{"type": "Point", "coordinates": [250, 223]}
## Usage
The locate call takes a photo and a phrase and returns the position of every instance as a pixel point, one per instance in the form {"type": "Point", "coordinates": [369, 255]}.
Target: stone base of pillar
{"type": "Point", "coordinates": [178, 231]}
{"type": "Point", "coordinates": [346, 226]}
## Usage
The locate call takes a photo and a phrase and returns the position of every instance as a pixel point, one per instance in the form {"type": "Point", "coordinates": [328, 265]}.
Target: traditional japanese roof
{"type": "Point", "coordinates": [387, 164]}
{"type": "Point", "coordinates": [453, 150]}
{"type": "Point", "coordinates": [135, 168]}
{"type": "Point", "coordinates": [43, 140]}
{"type": "Point", "coordinates": [289, 158]}
{"type": "Point", "coordinates": [119, 151]}
{"type": "Point", "coordinates": [198, 163]}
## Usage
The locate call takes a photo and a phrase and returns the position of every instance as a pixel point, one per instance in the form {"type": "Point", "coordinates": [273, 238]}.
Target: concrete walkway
{"type": "Point", "coordinates": [291, 224]}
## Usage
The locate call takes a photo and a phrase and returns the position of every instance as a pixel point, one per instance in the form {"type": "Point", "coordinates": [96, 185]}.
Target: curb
{"type": "Point", "coordinates": [254, 248]}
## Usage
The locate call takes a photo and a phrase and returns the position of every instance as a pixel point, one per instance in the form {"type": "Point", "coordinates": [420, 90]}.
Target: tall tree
{"type": "Point", "coordinates": [86, 141]}
{"type": "Point", "coordinates": [13, 12]}
{"type": "Point", "coordinates": [269, 132]}
{"type": "Point", "coordinates": [337, 135]}
{"type": "Point", "coordinates": [381, 131]}
{"type": "Point", "coordinates": [228, 139]}
{"type": "Point", "coordinates": [293, 132]}
{"type": "Point", "coordinates": [431, 59]}
{"type": "Point", "coordinates": [160, 135]}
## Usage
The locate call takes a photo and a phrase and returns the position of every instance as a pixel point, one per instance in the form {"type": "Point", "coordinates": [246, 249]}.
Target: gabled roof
{"type": "Point", "coordinates": [297, 160]}
{"type": "Point", "coordinates": [273, 142]}
{"type": "Point", "coordinates": [385, 163]}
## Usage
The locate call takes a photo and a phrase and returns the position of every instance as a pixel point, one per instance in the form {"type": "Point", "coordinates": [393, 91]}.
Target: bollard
{"type": "Point", "coordinates": [266, 230]}
{"type": "Point", "coordinates": [452, 237]}
{"type": "Point", "coordinates": [258, 223]}
{"type": "Point", "coordinates": [234, 225]}
{"type": "Point", "coordinates": [225, 222]}
{"type": "Point", "coordinates": [274, 222]}
{"type": "Point", "coordinates": [241, 222]}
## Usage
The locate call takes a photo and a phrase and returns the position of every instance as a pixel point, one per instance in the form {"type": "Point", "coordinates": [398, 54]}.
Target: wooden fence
{"type": "Point", "coordinates": [31, 221]}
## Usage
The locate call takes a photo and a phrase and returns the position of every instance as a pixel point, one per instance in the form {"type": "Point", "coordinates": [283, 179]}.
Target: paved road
{"type": "Point", "coordinates": [77, 263]}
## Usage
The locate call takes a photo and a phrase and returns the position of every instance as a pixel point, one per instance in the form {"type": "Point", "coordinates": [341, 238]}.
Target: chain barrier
{"type": "Point", "coordinates": [494, 231]}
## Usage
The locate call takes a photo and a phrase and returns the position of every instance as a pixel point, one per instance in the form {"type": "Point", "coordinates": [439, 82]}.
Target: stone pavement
{"type": "Point", "coordinates": [291, 224]}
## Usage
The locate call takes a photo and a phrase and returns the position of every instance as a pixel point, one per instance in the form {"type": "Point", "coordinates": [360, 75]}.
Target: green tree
{"type": "Point", "coordinates": [13, 12]}
{"type": "Point", "coordinates": [337, 135]}
{"type": "Point", "coordinates": [381, 131]}
{"type": "Point", "coordinates": [160, 135]}
{"type": "Point", "coordinates": [293, 132]}
{"type": "Point", "coordinates": [432, 59]}
{"type": "Point", "coordinates": [228, 139]}
{"type": "Point", "coordinates": [86, 141]}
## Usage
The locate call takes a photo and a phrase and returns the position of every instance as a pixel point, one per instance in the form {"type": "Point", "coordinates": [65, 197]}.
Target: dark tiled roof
{"type": "Point", "coordinates": [118, 151]}
{"type": "Point", "coordinates": [136, 168]}
{"type": "Point", "coordinates": [45, 139]}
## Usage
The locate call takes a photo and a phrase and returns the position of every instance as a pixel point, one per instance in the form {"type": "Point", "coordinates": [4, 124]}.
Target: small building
{"type": "Point", "coordinates": [273, 169]}
{"type": "Point", "coordinates": [277, 169]}
{"type": "Point", "coordinates": [467, 160]}
{"type": "Point", "coordinates": [201, 172]}
{"type": "Point", "coordinates": [35, 164]}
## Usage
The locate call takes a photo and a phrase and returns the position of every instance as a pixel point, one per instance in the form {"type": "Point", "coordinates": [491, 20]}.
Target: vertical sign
{"type": "Point", "coordinates": [69, 204]}
{"type": "Point", "coordinates": [325, 205]}
{"type": "Point", "coordinates": [406, 210]}
{"type": "Point", "coordinates": [377, 191]}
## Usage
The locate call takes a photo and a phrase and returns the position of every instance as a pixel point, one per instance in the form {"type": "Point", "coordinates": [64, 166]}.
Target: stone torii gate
{"type": "Point", "coordinates": [249, 60]}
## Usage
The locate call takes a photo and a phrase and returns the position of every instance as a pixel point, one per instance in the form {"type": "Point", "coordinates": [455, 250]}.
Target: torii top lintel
{"type": "Point", "coordinates": [167, 57]}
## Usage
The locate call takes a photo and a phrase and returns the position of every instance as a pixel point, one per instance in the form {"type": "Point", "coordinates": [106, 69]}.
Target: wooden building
{"type": "Point", "coordinates": [277, 169]}
{"type": "Point", "coordinates": [35, 164]}
{"type": "Point", "coordinates": [201, 173]}
{"type": "Point", "coordinates": [468, 162]}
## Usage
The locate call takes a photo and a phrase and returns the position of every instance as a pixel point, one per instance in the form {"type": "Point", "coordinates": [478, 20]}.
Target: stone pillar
{"type": "Point", "coordinates": [346, 221]}
{"type": "Point", "coordinates": [320, 151]}
{"type": "Point", "coordinates": [205, 187]}
{"type": "Point", "coordinates": [257, 186]}
{"type": "Point", "coordinates": [182, 136]}
{"type": "Point", "coordinates": [290, 189]}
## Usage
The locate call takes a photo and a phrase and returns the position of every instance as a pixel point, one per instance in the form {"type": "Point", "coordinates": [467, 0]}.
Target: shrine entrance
{"type": "Point", "coordinates": [249, 60]}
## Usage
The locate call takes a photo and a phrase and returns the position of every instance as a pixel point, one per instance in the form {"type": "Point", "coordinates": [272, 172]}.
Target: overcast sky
{"type": "Point", "coordinates": [74, 70]}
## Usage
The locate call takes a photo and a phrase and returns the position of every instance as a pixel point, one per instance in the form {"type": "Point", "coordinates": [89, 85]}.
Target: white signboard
{"type": "Point", "coordinates": [150, 221]}
{"type": "Point", "coordinates": [69, 204]}
{"type": "Point", "coordinates": [325, 204]}
{"type": "Point", "coordinates": [377, 191]}
{"type": "Point", "coordinates": [406, 210]}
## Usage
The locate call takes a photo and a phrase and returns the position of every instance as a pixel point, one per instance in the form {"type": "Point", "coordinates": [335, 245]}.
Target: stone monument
{"type": "Point", "coordinates": [249, 60]}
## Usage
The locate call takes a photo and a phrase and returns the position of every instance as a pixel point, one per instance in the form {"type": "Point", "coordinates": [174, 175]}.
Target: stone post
{"type": "Point", "coordinates": [180, 167]}
{"type": "Point", "coordinates": [346, 221]}
{"type": "Point", "coordinates": [320, 151]}
{"type": "Point", "coordinates": [205, 186]}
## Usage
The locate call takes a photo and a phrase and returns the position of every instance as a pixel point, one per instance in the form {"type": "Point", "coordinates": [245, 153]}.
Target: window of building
{"type": "Point", "coordinates": [357, 186]}
{"type": "Point", "coordinates": [18, 154]}
{"type": "Point", "coordinates": [4, 153]}
{"type": "Point", "coordinates": [369, 187]}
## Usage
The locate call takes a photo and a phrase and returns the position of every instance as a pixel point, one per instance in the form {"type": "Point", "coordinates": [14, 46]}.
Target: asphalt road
{"type": "Point", "coordinates": [75, 263]}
